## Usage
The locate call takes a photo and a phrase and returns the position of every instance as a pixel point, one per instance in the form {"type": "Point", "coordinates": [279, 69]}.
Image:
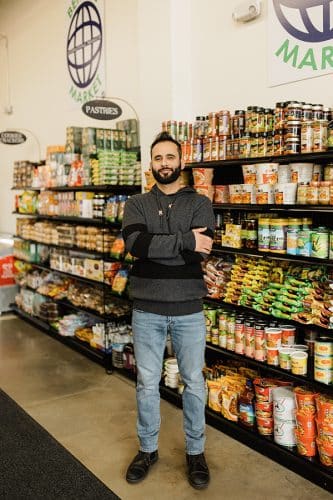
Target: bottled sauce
{"type": "Point", "coordinates": [251, 240]}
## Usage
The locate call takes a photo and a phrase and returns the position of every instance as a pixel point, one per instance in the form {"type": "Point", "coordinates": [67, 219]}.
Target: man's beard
{"type": "Point", "coordinates": [168, 179]}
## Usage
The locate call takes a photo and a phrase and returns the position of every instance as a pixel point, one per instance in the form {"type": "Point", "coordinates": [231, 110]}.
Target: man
{"type": "Point", "coordinates": [169, 230]}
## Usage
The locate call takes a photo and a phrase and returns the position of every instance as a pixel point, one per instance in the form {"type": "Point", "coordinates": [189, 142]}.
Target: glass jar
{"type": "Point", "coordinates": [320, 135]}
{"type": "Point", "coordinates": [306, 137]}
{"type": "Point", "coordinates": [307, 112]}
{"type": "Point", "coordinates": [279, 116]}
{"type": "Point", "coordinates": [294, 111]}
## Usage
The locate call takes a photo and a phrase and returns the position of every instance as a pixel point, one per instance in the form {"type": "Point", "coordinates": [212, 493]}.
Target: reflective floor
{"type": "Point", "coordinates": [93, 415]}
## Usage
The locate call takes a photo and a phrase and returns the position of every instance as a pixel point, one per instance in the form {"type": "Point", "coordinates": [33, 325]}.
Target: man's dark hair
{"type": "Point", "coordinates": [166, 137]}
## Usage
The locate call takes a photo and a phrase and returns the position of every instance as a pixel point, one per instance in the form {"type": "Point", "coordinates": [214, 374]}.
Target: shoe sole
{"type": "Point", "coordinates": [135, 481]}
{"type": "Point", "coordinates": [198, 486]}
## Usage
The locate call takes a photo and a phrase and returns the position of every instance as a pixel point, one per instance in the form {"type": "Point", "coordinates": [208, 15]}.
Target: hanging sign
{"type": "Point", "coordinates": [101, 109]}
{"type": "Point", "coordinates": [300, 40]}
{"type": "Point", "coordinates": [85, 52]}
{"type": "Point", "coordinates": [12, 137]}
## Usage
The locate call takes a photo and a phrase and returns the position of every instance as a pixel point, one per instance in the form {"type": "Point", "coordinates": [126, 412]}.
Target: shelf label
{"type": "Point", "coordinates": [12, 137]}
{"type": "Point", "coordinates": [101, 109]}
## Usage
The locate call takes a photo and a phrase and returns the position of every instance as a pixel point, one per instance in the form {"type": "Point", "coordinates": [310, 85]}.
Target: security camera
{"type": "Point", "coordinates": [247, 11]}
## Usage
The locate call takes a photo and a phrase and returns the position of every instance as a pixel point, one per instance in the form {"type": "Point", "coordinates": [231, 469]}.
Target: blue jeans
{"type": "Point", "coordinates": [188, 336]}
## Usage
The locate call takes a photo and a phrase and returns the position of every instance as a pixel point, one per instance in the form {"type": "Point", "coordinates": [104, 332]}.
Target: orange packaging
{"type": "Point", "coordinates": [325, 457]}
{"type": "Point", "coordinates": [202, 176]}
{"type": "Point", "coordinates": [265, 426]}
{"type": "Point", "coordinates": [221, 194]}
{"type": "Point", "coordinates": [264, 410]}
{"type": "Point", "coordinates": [305, 399]}
{"type": "Point", "coordinates": [263, 389]}
{"type": "Point", "coordinates": [305, 446]}
{"type": "Point", "coordinates": [324, 405]}
{"type": "Point", "coordinates": [205, 190]}
{"type": "Point", "coordinates": [306, 425]}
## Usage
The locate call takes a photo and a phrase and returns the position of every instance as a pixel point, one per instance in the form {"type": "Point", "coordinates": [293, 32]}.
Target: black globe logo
{"type": "Point", "coordinates": [311, 33]}
{"type": "Point", "coordinates": [84, 44]}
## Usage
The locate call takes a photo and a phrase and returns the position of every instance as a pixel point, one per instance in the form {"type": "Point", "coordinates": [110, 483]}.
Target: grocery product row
{"type": "Point", "coordinates": [270, 183]}
{"type": "Point", "coordinates": [296, 350]}
{"type": "Point", "coordinates": [75, 170]}
{"type": "Point", "coordinates": [290, 128]}
{"type": "Point", "coordinates": [113, 273]}
{"type": "Point", "coordinates": [89, 140]}
{"type": "Point", "coordinates": [272, 234]}
{"type": "Point", "coordinates": [57, 290]}
{"type": "Point", "coordinates": [282, 289]}
{"type": "Point", "coordinates": [102, 240]}
{"type": "Point", "coordinates": [85, 204]}
{"type": "Point", "coordinates": [90, 157]}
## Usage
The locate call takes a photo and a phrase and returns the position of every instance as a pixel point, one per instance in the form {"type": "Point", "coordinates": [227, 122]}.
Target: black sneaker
{"type": "Point", "coordinates": [140, 465]}
{"type": "Point", "coordinates": [197, 470]}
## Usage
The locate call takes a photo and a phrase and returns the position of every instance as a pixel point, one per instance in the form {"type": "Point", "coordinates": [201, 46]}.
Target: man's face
{"type": "Point", "coordinates": [165, 162]}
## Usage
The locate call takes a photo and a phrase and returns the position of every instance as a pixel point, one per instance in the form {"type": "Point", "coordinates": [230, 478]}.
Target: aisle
{"type": "Point", "coordinates": [93, 416]}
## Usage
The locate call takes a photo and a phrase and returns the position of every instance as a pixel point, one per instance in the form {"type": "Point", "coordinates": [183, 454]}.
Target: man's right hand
{"type": "Point", "coordinates": [203, 243]}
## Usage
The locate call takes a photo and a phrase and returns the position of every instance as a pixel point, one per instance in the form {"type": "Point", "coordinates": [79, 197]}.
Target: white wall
{"type": "Point", "coordinates": [37, 33]}
{"type": "Point", "coordinates": [171, 59]}
{"type": "Point", "coordinates": [229, 63]}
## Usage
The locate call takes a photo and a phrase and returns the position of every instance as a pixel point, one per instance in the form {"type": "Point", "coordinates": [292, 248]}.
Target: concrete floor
{"type": "Point", "coordinates": [93, 415]}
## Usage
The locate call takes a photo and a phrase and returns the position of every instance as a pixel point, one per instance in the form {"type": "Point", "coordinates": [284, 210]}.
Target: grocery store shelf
{"type": "Point", "coordinates": [217, 250]}
{"type": "Point", "coordinates": [67, 218]}
{"type": "Point", "coordinates": [108, 188]}
{"type": "Point", "coordinates": [298, 379]}
{"type": "Point", "coordinates": [105, 256]}
{"type": "Point", "coordinates": [309, 469]}
{"type": "Point", "coordinates": [74, 343]}
{"type": "Point", "coordinates": [273, 208]}
{"type": "Point", "coordinates": [259, 314]}
{"type": "Point", "coordinates": [282, 159]}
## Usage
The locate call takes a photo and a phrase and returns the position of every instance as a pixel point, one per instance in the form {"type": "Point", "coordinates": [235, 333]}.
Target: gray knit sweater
{"type": "Point", "coordinates": [167, 277]}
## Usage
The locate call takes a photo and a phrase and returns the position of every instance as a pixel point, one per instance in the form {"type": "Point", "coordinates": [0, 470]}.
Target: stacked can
{"type": "Point", "coordinates": [240, 334]}
{"type": "Point", "coordinates": [324, 406]}
{"type": "Point", "coordinates": [249, 337]}
{"type": "Point", "coordinates": [305, 414]}
{"type": "Point", "coordinates": [264, 405]}
{"type": "Point", "coordinates": [323, 360]}
{"type": "Point", "coordinates": [259, 341]}
{"type": "Point", "coordinates": [284, 416]}
{"type": "Point", "coordinates": [273, 344]}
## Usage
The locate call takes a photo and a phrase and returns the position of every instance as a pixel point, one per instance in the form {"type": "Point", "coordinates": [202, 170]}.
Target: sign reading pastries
{"type": "Point", "coordinates": [101, 109]}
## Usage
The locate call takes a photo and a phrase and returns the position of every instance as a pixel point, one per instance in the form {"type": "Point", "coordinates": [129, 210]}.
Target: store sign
{"type": "Point", "coordinates": [12, 137]}
{"type": "Point", "coordinates": [300, 40]}
{"type": "Point", "coordinates": [85, 50]}
{"type": "Point", "coordinates": [101, 109]}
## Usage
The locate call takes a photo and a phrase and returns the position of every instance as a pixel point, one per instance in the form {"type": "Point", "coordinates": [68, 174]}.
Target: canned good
{"type": "Point", "coordinates": [324, 346]}
{"type": "Point", "coordinates": [319, 243]}
{"type": "Point", "coordinates": [292, 237]}
{"type": "Point", "coordinates": [304, 242]}
{"type": "Point", "coordinates": [263, 234]}
{"type": "Point", "coordinates": [277, 237]}
{"type": "Point", "coordinates": [323, 376]}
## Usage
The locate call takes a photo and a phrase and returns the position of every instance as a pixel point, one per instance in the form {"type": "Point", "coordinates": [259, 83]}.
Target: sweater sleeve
{"type": "Point", "coordinates": [203, 216]}
{"type": "Point", "coordinates": [142, 244]}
